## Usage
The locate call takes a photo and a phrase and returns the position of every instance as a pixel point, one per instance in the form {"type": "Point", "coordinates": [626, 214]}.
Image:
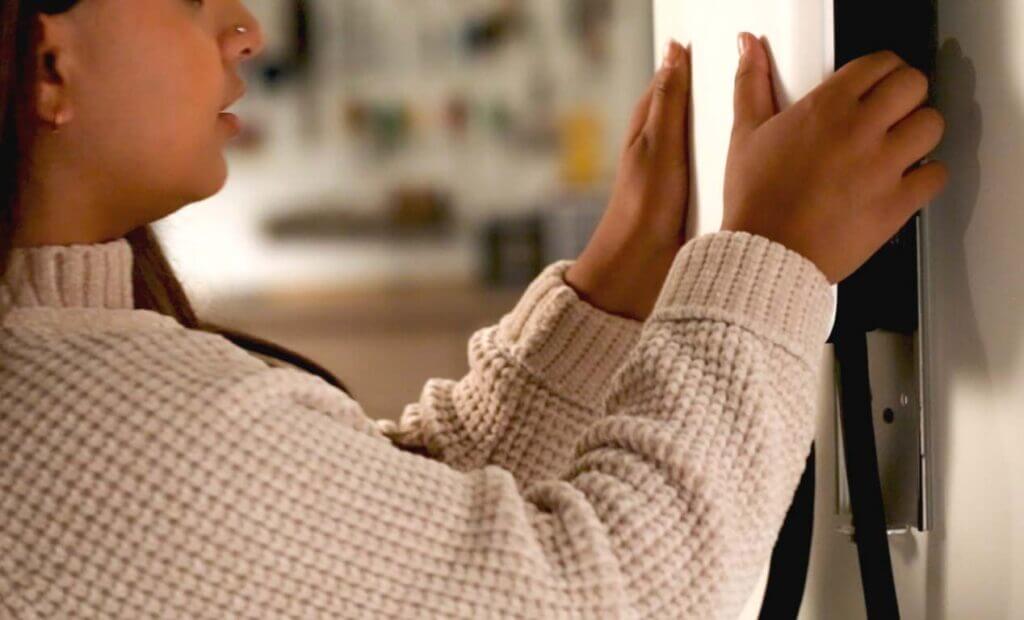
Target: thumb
{"type": "Point", "coordinates": [667, 117]}
{"type": "Point", "coordinates": [754, 96]}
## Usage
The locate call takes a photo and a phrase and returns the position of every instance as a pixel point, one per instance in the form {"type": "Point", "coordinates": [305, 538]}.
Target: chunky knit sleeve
{"type": "Point", "coordinates": [227, 490]}
{"type": "Point", "coordinates": [536, 380]}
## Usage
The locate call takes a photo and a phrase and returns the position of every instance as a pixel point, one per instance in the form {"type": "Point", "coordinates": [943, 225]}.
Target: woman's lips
{"type": "Point", "coordinates": [232, 122]}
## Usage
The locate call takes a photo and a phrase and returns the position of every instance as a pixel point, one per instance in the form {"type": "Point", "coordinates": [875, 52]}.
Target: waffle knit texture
{"type": "Point", "coordinates": [587, 466]}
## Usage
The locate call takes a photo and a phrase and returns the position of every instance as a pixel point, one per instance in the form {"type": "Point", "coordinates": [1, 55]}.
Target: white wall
{"type": "Point", "coordinates": [972, 564]}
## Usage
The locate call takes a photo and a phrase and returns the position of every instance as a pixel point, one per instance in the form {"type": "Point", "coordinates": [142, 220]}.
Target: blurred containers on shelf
{"type": "Point", "coordinates": [405, 168]}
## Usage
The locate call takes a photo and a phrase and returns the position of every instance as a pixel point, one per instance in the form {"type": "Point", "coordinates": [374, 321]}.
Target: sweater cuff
{"type": "Point", "coordinates": [573, 346]}
{"type": "Point", "coordinates": [753, 282]}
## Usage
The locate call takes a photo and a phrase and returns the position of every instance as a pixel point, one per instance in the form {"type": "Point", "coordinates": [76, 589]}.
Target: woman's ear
{"type": "Point", "coordinates": [53, 69]}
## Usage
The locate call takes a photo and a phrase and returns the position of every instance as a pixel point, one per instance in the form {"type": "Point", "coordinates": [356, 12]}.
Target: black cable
{"type": "Point", "coordinates": [791, 557]}
{"type": "Point", "coordinates": [870, 530]}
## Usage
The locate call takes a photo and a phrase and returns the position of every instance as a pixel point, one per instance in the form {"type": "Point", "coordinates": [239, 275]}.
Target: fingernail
{"type": "Point", "coordinates": [673, 52]}
{"type": "Point", "coordinates": [742, 43]}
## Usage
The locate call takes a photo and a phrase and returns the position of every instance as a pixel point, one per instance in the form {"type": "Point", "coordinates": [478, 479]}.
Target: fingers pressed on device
{"type": "Point", "coordinates": [641, 111]}
{"type": "Point", "coordinates": [921, 186]}
{"type": "Point", "coordinates": [754, 98]}
{"type": "Point", "coordinates": [670, 97]}
{"type": "Point", "coordinates": [914, 137]}
{"type": "Point", "coordinates": [861, 75]}
{"type": "Point", "coordinates": [896, 96]}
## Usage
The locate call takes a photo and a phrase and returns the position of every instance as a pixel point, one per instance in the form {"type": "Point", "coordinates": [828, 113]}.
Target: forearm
{"type": "Point", "coordinates": [537, 379]}
{"type": "Point", "coordinates": [709, 424]}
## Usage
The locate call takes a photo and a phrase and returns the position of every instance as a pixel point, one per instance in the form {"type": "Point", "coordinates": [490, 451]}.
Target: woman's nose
{"type": "Point", "coordinates": [244, 39]}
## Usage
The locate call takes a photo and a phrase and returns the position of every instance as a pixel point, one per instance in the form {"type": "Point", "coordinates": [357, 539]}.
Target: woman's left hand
{"type": "Point", "coordinates": [623, 268]}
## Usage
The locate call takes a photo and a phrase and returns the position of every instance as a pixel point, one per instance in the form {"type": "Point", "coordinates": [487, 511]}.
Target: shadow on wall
{"type": "Point", "coordinates": [975, 270]}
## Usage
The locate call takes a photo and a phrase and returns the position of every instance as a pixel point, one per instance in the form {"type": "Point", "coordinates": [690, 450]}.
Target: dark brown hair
{"type": "Point", "coordinates": [155, 284]}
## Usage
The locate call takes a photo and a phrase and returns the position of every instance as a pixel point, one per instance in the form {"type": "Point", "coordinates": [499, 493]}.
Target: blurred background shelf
{"type": "Point", "coordinates": [395, 149]}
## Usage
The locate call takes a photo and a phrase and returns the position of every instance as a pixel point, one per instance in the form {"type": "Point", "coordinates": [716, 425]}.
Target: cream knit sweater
{"type": "Point", "coordinates": [588, 466]}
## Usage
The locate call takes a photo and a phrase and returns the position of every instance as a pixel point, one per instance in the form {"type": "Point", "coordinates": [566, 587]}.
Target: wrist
{"type": "Point", "coordinates": [602, 294]}
{"type": "Point", "coordinates": [626, 286]}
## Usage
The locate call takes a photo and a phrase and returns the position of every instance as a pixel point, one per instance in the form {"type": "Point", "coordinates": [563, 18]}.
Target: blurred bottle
{"type": "Point", "coordinates": [582, 146]}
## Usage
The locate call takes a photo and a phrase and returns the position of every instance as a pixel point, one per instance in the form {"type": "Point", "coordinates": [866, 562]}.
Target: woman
{"type": "Point", "coordinates": [625, 444]}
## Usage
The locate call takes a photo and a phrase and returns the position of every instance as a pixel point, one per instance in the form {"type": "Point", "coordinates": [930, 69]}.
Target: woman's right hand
{"type": "Point", "coordinates": [833, 176]}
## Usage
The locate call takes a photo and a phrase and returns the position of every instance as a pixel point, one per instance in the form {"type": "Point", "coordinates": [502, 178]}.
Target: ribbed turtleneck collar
{"type": "Point", "coordinates": [70, 276]}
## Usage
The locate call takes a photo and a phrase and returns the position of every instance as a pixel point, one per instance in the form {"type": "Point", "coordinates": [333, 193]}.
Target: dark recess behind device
{"type": "Point", "coordinates": [883, 293]}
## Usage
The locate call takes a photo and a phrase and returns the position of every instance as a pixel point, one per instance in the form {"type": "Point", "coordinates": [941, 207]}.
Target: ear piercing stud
{"type": "Point", "coordinates": [58, 121]}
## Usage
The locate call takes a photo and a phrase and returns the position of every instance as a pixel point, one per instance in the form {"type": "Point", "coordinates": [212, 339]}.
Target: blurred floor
{"type": "Point", "coordinates": [383, 343]}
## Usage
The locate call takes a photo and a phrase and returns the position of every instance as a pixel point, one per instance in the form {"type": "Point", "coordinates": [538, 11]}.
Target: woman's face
{"type": "Point", "coordinates": [144, 82]}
